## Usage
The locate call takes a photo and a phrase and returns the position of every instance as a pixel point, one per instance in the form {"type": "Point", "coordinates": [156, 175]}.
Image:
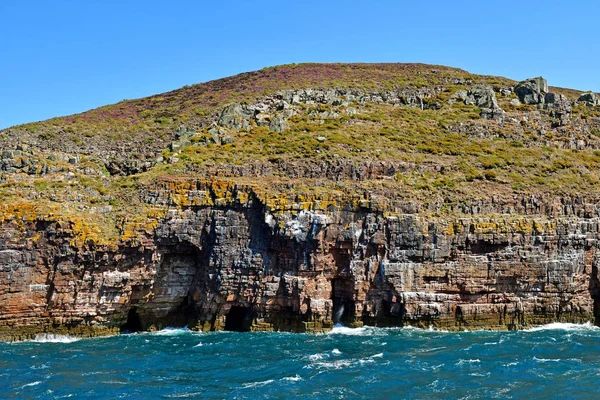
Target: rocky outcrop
{"type": "Point", "coordinates": [482, 96]}
{"type": "Point", "coordinates": [535, 91]}
{"type": "Point", "coordinates": [274, 111]}
{"type": "Point", "coordinates": [532, 91]}
{"type": "Point", "coordinates": [246, 264]}
{"type": "Point", "coordinates": [559, 107]}
{"type": "Point", "coordinates": [590, 99]}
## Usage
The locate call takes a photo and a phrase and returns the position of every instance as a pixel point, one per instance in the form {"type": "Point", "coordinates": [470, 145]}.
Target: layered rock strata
{"type": "Point", "coordinates": [302, 266]}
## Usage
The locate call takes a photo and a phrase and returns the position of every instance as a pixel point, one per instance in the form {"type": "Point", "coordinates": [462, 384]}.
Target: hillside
{"type": "Point", "coordinates": [320, 167]}
{"type": "Point", "coordinates": [387, 130]}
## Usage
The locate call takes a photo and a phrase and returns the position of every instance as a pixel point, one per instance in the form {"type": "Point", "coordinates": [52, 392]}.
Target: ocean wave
{"type": "Point", "coordinates": [53, 338]}
{"type": "Point", "coordinates": [171, 332]}
{"type": "Point", "coordinates": [344, 330]}
{"type": "Point", "coordinates": [257, 384]}
{"type": "Point", "coordinates": [545, 360]}
{"type": "Point", "coordinates": [183, 395]}
{"type": "Point", "coordinates": [316, 357]}
{"type": "Point", "coordinates": [339, 364]}
{"type": "Point", "coordinates": [429, 350]}
{"type": "Point", "coordinates": [336, 352]}
{"type": "Point", "coordinates": [294, 378]}
{"type": "Point", "coordinates": [564, 326]}
{"type": "Point", "coordinates": [30, 384]}
{"type": "Point", "coordinates": [382, 331]}
{"type": "Point", "coordinates": [470, 361]}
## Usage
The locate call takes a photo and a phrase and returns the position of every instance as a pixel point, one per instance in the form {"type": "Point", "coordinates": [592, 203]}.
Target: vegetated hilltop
{"type": "Point", "coordinates": [383, 134]}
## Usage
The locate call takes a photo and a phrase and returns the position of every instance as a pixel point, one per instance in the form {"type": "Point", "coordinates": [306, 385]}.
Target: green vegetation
{"type": "Point", "coordinates": [448, 154]}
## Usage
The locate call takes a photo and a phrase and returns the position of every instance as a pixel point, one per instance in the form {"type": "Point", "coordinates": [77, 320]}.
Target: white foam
{"type": "Point", "coordinates": [480, 375]}
{"type": "Point", "coordinates": [171, 332]}
{"type": "Point", "coordinates": [184, 395]}
{"type": "Point", "coordinates": [315, 357]}
{"type": "Point", "coordinates": [470, 361]}
{"type": "Point", "coordinates": [410, 328]}
{"type": "Point", "coordinates": [362, 331]}
{"type": "Point", "coordinates": [545, 360]}
{"type": "Point", "coordinates": [562, 326]}
{"type": "Point", "coordinates": [367, 360]}
{"type": "Point", "coordinates": [336, 352]}
{"type": "Point", "coordinates": [344, 330]}
{"type": "Point", "coordinates": [295, 378]}
{"type": "Point", "coordinates": [340, 364]}
{"type": "Point", "coordinates": [429, 350]}
{"type": "Point", "coordinates": [30, 384]}
{"type": "Point", "coordinates": [52, 338]}
{"type": "Point", "coordinates": [257, 384]}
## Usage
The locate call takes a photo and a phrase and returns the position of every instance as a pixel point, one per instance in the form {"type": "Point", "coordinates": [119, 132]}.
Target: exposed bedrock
{"type": "Point", "coordinates": [248, 268]}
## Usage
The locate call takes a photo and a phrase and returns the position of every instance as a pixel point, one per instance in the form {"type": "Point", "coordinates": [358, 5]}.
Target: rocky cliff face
{"type": "Point", "coordinates": [456, 204]}
{"type": "Point", "coordinates": [301, 267]}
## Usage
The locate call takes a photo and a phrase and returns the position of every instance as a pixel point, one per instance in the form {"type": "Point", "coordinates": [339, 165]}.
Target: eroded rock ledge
{"type": "Point", "coordinates": [233, 261]}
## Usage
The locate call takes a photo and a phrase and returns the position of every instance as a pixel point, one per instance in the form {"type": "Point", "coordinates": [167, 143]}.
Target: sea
{"type": "Point", "coordinates": [552, 361]}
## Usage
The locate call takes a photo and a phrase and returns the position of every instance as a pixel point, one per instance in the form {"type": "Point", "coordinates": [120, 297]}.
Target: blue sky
{"type": "Point", "coordinates": [61, 57]}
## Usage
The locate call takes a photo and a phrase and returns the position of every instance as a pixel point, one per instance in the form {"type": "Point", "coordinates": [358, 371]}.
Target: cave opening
{"type": "Point", "coordinates": [238, 319]}
{"type": "Point", "coordinates": [343, 300]}
{"type": "Point", "coordinates": [134, 322]}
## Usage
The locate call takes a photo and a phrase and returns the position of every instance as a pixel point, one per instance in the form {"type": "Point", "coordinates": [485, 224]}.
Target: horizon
{"type": "Point", "coordinates": [76, 57]}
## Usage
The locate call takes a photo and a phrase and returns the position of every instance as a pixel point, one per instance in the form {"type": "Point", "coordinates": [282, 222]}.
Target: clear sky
{"type": "Point", "coordinates": [60, 57]}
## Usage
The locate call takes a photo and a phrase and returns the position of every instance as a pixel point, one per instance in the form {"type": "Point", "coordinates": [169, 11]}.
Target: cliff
{"type": "Point", "coordinates": [301, 196]}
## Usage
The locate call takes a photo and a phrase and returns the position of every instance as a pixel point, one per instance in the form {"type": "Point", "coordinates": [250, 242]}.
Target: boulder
{"type": "Point", "coordinates": [532, 91]}
{"type": "Point", "coordinates": [590, 99]}
{"type": "Point", "coordinates": [492, 113]}
{"type": "Point", "coordinates": [482, 96]}
{"type": "Point", "coordinates": [263, 119]}
{"type": "Point", "coordinates": [460, 95]}
{"type": "Point", "coordinates": [278, 124]}
{"type": "Point", "coordinates": [236, 116]}
{"type": "Point", "coordinates": [220, 135]}
{"type": "Point", "coordinates": [559, 106]}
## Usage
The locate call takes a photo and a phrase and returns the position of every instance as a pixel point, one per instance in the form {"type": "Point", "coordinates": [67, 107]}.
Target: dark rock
{"type": "Point", "coordinates": [532, 91]}
{"type": "Point", "coordinates": [590, 99]}
{"type": "Point", "coordinates": [482, 96]}
{"type": "Point", "coordinates": [492, 113]}
{"type": "Point", "coordinates": [236, 116]}
{"type": "Point", "coordinates": [559, 107]}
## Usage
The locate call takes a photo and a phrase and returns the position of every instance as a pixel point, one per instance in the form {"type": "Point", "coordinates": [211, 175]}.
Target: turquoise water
{"type": "Point", "coordinates": [556, 361]}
